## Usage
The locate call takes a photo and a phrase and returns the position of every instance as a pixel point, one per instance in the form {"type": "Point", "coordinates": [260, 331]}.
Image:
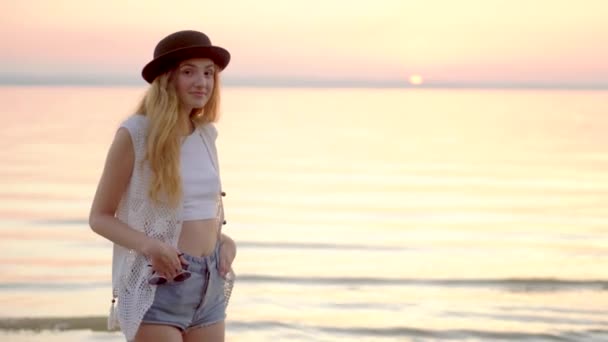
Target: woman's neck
{"type": "Point", "coordinates": [186, 124]}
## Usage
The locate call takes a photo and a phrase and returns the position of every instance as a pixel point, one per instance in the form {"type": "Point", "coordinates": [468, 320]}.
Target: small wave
{"type": "Point", "coordinates": [512, 285]}
{"type": "Point", "coordinates": [527, 318]}
{"type": "Point", "coordinates": [313, 245]}
{"type": "Point", "coordinates": [553, 310]}
{"type": "Point", "coordinates": [67, 222]}
{"type": "Point", "coordinates": [95, 323]}
{"type": "Point", "coordinates": [98, 323]}
{"type": "Point", "coordinates": [53, 286]}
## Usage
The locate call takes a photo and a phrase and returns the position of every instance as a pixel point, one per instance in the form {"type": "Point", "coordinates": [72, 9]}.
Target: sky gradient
{"type": "Point", "coordinates": [382, 42]}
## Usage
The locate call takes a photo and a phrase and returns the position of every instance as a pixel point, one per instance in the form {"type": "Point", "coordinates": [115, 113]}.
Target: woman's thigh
{"type": "Point", "coordinates": [158, 332]}
{"type": "Point", "coordinates": [211, 333]}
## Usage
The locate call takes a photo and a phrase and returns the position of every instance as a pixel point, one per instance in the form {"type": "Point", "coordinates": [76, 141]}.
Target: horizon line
{"type": "Point", "coordinates": [88, 81]}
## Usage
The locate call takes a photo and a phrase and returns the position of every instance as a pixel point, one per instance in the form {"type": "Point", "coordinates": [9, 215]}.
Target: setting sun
{"type": "Point", "coordinates": [416, 80]}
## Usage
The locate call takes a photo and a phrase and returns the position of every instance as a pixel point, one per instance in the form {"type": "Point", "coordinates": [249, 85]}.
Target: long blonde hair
{"type": "Point", "coordinates": [161, 105]}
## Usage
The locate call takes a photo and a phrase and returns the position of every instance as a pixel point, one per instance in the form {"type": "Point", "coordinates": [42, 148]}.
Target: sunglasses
{"type": "Point", "coordinates": [156, 279]}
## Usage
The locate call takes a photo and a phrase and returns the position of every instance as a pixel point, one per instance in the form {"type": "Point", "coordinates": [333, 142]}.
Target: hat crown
{"type": "Point", "coordinates": [180, 46]}
{"type": "Point", "coordinates": [181, 40]}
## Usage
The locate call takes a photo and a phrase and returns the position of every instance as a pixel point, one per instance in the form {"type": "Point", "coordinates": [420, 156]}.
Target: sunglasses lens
{"type": "Point", "coordinates": [182, 276]}
{"type": "Point", "coordinates": [159, 280]}
{"type": "Point", "coordinates": [156, 280]}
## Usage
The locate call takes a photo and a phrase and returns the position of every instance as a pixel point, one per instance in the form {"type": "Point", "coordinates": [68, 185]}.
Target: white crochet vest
{"type": "Point", "coordinates": [132, 296]}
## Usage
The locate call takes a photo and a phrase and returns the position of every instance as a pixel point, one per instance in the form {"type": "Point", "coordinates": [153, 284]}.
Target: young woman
{"type": "Point", "coordinates": [159, 201]}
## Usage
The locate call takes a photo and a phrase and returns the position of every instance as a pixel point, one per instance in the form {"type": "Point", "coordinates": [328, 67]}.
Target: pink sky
{"type": "Point", "coordinates": [471, 41]}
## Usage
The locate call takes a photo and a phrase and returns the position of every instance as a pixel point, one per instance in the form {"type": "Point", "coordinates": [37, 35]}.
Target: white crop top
{"type": "Point", "coordinates": [200, 177]}
{"type": "Point", "coordinates": [200, 180]}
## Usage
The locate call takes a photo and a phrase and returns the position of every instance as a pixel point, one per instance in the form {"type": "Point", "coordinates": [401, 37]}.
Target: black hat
{"type": "Point", "coordinates": [180, 46]}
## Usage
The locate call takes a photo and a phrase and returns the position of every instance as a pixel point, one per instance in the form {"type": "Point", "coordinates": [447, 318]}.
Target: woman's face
{"type": "Point", "coordinates": [194, 82]}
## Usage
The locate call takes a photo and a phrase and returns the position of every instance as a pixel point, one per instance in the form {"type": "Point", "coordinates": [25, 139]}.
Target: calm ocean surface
{"type": "Point", "coordinates": [360, 214]}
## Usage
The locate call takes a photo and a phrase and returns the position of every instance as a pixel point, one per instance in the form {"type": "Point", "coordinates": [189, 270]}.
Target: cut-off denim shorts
{"type": "Point", "coordinates": [198, 301]}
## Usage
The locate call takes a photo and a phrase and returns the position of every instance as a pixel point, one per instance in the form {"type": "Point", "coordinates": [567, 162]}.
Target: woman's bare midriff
{"type": "Point", "coordinates": [198, 237]}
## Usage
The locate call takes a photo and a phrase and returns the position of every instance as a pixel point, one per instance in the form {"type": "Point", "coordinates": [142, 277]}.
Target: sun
{"type": "Point", "coordinates": [416, 80]}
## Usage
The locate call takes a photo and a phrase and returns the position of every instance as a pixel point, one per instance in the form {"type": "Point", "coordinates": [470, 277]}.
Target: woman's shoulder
{"type": "Point", "coordinates": [135, 123]}
{"type": "Point", "coordinates": [210, 130]}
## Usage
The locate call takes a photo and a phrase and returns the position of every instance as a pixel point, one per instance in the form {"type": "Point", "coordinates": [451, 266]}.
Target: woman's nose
{"type": "Point", "coordinates": [200, 80]}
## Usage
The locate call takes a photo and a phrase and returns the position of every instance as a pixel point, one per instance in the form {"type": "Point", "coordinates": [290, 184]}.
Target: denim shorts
{"type": "Point", "coordinates": [196, 302]}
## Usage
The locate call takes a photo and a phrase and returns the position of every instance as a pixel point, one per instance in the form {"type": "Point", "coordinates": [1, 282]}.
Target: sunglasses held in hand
{"type": "Point", "coordinates": [156, 279]}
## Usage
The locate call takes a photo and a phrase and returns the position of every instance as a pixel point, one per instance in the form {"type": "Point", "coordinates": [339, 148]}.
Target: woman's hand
{"type": "Point", "coordinates": [227, 255]}
{"type": "Point", "coordinates": [165, 260]}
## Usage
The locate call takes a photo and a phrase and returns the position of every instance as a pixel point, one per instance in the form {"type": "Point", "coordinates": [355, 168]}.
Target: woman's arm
{"type": "Point", "coordinates": [112, 185]}
{"type": "Point", "coordinates": [226, 240]}
{"type": "Point", "coordinates": [227, 254]}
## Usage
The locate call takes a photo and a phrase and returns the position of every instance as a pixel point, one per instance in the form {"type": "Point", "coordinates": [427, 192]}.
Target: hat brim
{"type": "Point", "coordinates": [164, 63]}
